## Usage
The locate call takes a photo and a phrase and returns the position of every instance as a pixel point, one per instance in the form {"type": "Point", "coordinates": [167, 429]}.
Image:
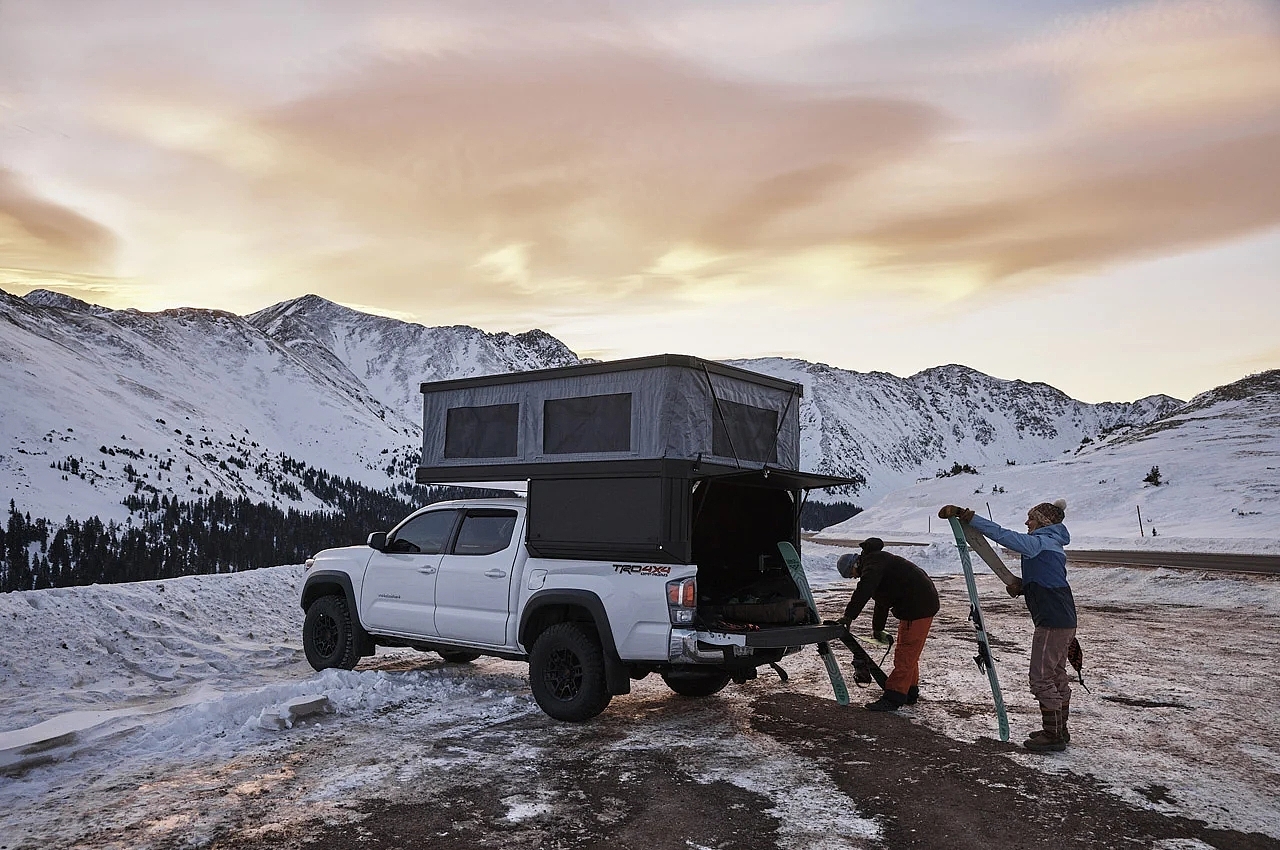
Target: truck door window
{"type": "Point", "coordinates": [426, 534]}
{"type": "Point", "coordinates": [485, 532]}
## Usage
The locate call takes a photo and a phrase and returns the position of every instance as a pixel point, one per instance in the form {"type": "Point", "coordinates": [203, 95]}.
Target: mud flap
{"type": "Point", "coordinates": [617, 678]}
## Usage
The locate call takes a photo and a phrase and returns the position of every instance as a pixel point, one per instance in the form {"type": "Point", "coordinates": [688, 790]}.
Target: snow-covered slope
{"type": "Point", "coordinates": [182, 400]}
{"type": "Point", "coordinates": [1219, 461]}
{"type": "Point", "coordinates": [890, 431]}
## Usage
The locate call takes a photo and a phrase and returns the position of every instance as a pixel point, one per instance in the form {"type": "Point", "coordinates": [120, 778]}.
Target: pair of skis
{"type": "Point", "coordinates": [862, 661]}
{"type": "Point", "coordinates": [965, 537]}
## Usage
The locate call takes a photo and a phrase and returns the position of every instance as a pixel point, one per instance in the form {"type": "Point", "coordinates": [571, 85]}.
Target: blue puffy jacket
{"type": "Point", "coordinates": [1044, 570]}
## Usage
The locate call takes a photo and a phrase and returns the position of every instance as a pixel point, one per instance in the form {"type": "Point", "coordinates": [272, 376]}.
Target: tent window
{"type": "Point", "coordinates": [587, 424]}
{"type": "Point", "coordinates": [474, 432]}
{"type": "Point", "coordinates": [749, 433]}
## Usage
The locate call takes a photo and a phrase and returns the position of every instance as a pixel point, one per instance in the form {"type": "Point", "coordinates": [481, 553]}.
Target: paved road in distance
{"type": "Point", "coordinates": [1262, 564]}
{"type": "Point", "coordinates": [1265, 564]}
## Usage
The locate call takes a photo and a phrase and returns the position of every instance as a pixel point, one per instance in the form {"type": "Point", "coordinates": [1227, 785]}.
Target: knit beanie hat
{"type": "Point", "coordinates": [872, 544]}
{"type": "Point", "coordinates": [1050, 513]}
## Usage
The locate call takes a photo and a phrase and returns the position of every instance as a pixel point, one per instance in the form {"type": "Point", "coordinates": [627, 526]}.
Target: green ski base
{"type": "Point", "coordinates": [983, 658]}
{"type": "Point", "coordinates": [792, 560]}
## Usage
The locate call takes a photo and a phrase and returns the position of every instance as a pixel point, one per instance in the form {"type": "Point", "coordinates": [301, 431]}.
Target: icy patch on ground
{"type": "Point", "coordinates": [813, 813]}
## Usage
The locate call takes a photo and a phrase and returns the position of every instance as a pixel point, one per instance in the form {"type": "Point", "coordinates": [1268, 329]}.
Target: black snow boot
{"type": "Point", "coordinates": [1066, 733]}
{"type": "Point", "coordinates": [890, 701]}
{"type": "Point", "coordinates": [1048, 740]}
{"type": "Point", "coordinates": [913, 695]}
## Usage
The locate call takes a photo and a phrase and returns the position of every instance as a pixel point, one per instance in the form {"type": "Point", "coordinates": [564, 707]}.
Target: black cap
{"type": "Point", "coordinates": [872, 544]}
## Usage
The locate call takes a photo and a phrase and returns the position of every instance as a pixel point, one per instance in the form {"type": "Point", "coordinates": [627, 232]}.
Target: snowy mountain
{"type": "Point", "coordinates": [391, 358]}
{"type": "Point", "coordinates": [102, 403]}
{"type": "Point", "coordinates": [890, 431]}
{"type": "Point", "coordinates": [1219, 463]}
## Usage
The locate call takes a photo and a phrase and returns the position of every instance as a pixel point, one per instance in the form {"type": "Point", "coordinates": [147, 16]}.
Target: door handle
{"type": "Point", "coordinates": [426, 570]}
{"type": "Point", "coordinates": [496, 573]}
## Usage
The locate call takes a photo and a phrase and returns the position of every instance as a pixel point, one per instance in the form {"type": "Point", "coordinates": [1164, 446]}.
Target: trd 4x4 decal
{"type": "Point", "coordinates": [642, 569]}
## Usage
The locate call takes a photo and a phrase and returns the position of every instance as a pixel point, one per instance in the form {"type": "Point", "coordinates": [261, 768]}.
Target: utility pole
{"type": "Point", "coordinates": [1141, 530]}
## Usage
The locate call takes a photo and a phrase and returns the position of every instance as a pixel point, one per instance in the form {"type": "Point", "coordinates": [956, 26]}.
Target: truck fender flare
{"type": "Point", "coordinates": [618, 678]}
{"type": "Point", "coordinates": [317, 585]}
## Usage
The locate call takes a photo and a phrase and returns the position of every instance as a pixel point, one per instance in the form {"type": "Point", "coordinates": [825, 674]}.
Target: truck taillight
{"type": "Point", "coordinates": [683, 592]}
{"type": "Point", "coordinates": [682, 600]}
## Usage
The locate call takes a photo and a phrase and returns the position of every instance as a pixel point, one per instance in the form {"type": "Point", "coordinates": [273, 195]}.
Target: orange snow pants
{"type": "Point", "coordinates": [906, 655]}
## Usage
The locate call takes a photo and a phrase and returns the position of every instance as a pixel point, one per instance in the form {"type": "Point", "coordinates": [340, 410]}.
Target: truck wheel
{"type": "Point", "coordinates": [566, 673]}
{"type": "Point", "coordinates": [330, 637]}
{"type": "Point", "coordinates": [696, 684]}
{"type": "Point", "coordinates": [459, 656]}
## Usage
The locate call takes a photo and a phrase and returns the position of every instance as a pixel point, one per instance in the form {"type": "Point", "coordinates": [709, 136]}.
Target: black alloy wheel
{"type": "Point", "coordinates": [330, 635]}
{"type": "Point", "coordinates": [566, 672]}
{"type": "Point", "coordinates": [325, 634]}
{"type": "Point", "coordinates": [563, 675]}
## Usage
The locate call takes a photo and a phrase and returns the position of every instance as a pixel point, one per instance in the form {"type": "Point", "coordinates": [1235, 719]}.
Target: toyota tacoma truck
{"type": "Point", "coordinates": [656, 493]}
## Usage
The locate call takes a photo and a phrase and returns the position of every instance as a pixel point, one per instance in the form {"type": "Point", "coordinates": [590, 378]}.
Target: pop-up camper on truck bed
{"type": "Point", "coordinates": [658, 491]}
{"type": "Point", "coordinates": [671, 459]}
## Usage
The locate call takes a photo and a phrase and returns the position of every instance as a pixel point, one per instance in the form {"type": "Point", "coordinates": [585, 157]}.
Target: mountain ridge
{"type": "Point", "coordinates": [338, 388]}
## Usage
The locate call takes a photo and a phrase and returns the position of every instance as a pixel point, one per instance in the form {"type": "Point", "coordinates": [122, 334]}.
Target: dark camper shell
{"type": "Point", "coordinates": [669, 458]}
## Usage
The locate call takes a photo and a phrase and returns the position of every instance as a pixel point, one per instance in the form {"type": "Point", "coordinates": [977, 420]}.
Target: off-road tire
{"type": "Point", "coordinates": [696, 684]}
{"type": "Point", "coordinates": [566, 673]}
{"type": "Point", "coordinates": [458, 656]}
{"type": "Point", "coordinates": [330, 635]}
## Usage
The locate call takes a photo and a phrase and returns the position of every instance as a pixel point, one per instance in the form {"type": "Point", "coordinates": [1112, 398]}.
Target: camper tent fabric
{"type": "Point", "coordinates": [660, 407]}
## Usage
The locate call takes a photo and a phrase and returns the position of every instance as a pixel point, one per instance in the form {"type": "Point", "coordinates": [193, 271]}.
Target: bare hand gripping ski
{"type": "Point", "coordinates": [983, 658]}
{"type": "Point", "coordinates": [792, 560]}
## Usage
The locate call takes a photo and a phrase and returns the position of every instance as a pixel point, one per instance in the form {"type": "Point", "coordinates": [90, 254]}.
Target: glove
{"type": "Point", "coordinates": [1014, 587]}
{"type": "Point", "coordinates": [844, 621]}
{"type": "Point", "coordinates": [963, 514]}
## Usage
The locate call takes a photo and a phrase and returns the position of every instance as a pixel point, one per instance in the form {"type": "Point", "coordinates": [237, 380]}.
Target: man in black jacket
{"type": "Point", "coordinates": [899, 586]}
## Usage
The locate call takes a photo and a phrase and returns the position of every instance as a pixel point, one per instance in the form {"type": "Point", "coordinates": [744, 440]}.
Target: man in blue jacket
{"type": "Point", "coordinates": [1052, 607]}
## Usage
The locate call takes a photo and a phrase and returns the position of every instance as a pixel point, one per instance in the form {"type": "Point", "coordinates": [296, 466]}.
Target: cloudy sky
{"type": "Point", "coordinates": [1083, 193]}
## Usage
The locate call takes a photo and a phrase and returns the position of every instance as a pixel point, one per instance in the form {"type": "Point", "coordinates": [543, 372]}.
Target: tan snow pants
{"type": "Point", "coordinates": [1049, 679]}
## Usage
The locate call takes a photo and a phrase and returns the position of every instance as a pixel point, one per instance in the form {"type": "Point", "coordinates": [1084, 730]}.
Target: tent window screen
{"type": "Point", "coordinates": [489, 431]}
{"type": "Point", "coordinates": [587, 424]}
{"type": "Point", "coordinates": [746, 432]}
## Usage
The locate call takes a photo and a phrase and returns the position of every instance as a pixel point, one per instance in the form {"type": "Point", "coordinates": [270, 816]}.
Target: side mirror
{"type": "Point", "coordinates": [378, 540]}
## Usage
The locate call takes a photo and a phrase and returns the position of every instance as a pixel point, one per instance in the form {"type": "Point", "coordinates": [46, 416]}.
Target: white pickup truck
{"type": "Point", "coordinates": [658, 490]}
{"type": "Point", "coordinates": [457, 578]}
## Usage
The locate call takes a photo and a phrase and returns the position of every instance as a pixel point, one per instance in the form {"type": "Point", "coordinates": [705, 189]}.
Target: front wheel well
{"type": "Point", "coordinates": [321, 588]}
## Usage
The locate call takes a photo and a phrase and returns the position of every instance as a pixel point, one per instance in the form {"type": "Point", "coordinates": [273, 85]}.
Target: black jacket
{"type": "Point", "coordinates": [895, 584]}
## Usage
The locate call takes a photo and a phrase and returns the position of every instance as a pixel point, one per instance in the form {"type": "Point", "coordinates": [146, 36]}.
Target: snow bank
{"type": "Point", "coordinates": [103, 646]}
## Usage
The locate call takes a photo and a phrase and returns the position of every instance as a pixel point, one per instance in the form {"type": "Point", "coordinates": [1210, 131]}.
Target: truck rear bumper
{"type": "Point", "coordinates": [707, 647]}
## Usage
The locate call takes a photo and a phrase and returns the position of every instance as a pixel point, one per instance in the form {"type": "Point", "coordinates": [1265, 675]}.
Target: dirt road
{"type": "Point", "coordinates": [774, 766]}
